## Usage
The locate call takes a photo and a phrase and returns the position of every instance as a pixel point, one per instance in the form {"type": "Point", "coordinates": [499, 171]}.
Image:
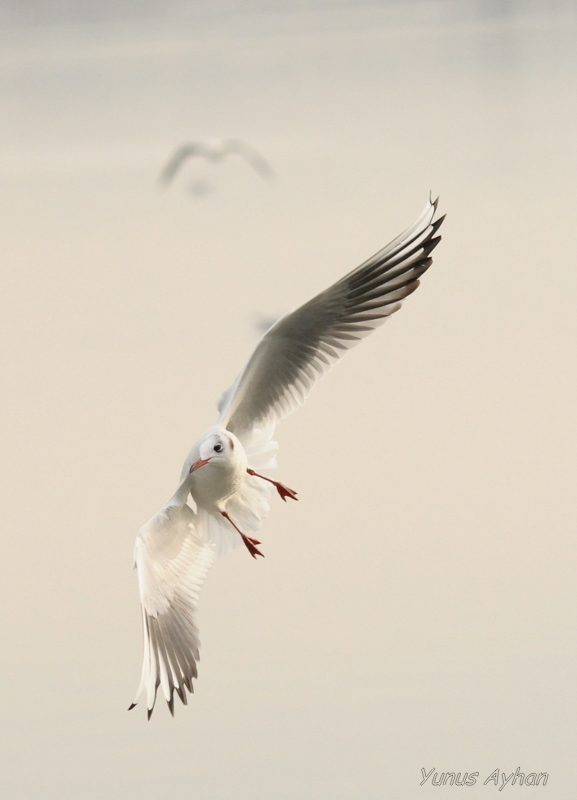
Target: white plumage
{"type": "Point", "coordinates": [227, 473]}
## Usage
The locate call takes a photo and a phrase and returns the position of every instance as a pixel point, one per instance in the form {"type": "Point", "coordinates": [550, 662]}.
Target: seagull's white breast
{"type": "Point", "coordinates": [218, 480]}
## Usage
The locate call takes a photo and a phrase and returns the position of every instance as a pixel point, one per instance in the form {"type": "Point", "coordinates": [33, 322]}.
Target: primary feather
{"type": "Point", "coordinates": [305, 343]}
{"type": "Point", "coordinates": [172, 560]}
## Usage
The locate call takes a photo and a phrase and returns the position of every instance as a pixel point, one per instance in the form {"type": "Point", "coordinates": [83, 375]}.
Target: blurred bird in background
{"type": "Point", "coordinates": [214, 150]}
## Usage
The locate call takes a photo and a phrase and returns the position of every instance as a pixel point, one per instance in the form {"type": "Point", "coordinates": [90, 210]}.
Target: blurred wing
{"type": "Point", "coordinates": [249, 154]}
{"type": "Point", "coordinates": [172, 560]}
{"type": "Point", "coordinates": [176, 161]}
{"type": "Point", "coordinates": [305, 343]}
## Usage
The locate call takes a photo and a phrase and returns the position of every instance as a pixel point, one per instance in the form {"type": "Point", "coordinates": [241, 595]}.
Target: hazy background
{"type": "Point", "coordinates": [417, 608]}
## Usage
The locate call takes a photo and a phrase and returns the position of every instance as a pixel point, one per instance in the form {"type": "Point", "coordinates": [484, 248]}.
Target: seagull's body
{"type": "Point", "coordinates": [227, 472]}
{"type": "Point", "coordinates": [214, 150]}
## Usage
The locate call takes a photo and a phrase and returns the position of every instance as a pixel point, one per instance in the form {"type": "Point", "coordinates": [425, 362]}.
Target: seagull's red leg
{"type": "Point", "coordinates": [250, 543]}
{"type": "Point", "coordinates": [283, 490]}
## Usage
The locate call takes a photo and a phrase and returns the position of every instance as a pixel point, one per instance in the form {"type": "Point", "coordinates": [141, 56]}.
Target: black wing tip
{"type": "Point", "coordinates": [182, 694]}
{"type": "Point", "coordinates": [131, 706]}
{"type": "Point", "coordinates": [429, 247]}
{"type": "Point", "coordinates": [170, 703]}
{"type": "Point", "coordinates": [437, 224]}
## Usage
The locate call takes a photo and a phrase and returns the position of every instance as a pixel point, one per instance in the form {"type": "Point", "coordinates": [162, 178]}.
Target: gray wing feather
{"type": "Point", "coordinates": [176, 161]}
{"type": "Point", "coordinates": [305, 343]}
{"type": "Point", "coordinates": [249, 154]}
{"type": "Point", "coordinates": [172, 560]}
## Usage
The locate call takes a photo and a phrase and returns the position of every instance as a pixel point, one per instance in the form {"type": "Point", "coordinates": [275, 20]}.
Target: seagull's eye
{"type": "Point", "coordinates": [217, 448]}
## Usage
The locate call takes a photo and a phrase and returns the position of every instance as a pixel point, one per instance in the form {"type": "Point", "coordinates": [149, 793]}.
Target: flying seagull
{"type": "Point", "coordinates": [228, 470]}
{"type": "Point", "coordinates": [214, 150]}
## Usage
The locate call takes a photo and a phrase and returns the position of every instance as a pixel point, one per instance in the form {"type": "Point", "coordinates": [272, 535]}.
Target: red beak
{"type": "Point", "coordinates": [200, 462]}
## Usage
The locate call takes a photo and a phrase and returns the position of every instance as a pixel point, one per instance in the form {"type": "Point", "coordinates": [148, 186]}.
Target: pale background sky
{"type": "Point", "coordinates": [417, 607]}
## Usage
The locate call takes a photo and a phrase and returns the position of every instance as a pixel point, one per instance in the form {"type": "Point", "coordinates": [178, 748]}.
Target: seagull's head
{"type": "Point", "coordinates": [219, 449]}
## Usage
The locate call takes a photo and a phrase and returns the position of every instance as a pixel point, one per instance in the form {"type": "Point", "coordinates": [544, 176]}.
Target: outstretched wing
{"type": "Point", "coordinates": [249, 154]}
{"type": "Point", "coordinates": [178, 158]}
{"type": "Point", "coordinates": [172, 560]}
{"type": "Point", "coordinates": [305, 343]}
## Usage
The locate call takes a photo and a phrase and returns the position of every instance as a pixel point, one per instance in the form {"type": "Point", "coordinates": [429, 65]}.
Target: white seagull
{"type": "Point", "coordinates": [215, 150]}
{"type": "Point", "coordinates": [227, 472]}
